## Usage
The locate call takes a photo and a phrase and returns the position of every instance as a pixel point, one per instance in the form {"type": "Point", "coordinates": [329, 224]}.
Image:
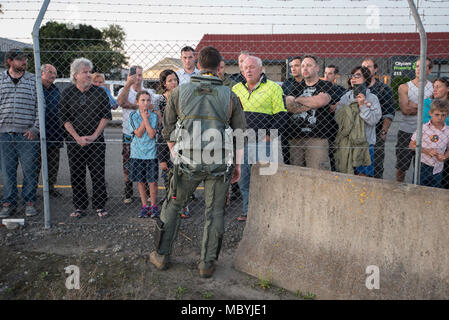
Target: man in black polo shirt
{"type": "Point", "coordinates": [312, 122]}
{"type": "Point", "coordinates": [85, 113]}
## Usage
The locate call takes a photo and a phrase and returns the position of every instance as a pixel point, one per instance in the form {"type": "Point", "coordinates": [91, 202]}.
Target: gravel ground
{"type": "Point", "coordinates": [112, 255]}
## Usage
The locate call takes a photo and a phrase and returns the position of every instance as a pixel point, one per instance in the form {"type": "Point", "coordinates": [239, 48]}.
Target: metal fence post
{"type": "Point", "coordinates": [41, 106]}
{"type": "Point", "coordinates": [422, 83]}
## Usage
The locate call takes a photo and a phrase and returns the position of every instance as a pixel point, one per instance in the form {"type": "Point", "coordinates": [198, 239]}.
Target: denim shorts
{"type": "Point", "coordinates": [141, 170]}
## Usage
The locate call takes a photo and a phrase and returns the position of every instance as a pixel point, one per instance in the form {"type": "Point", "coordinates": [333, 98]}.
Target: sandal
{"type": "Point", "coordinates": [102, 213]}
{"type": "Point", "coordinates": [78, 213]}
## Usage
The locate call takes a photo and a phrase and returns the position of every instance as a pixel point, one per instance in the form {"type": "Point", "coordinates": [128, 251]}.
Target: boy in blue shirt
{"type": "Point", "coordinates": [143, 165]}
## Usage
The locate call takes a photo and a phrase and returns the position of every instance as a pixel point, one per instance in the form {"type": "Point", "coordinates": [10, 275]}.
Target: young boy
{"type": "Point", "coordinates": [143, 166]}
{"type": "Point", "coordinates": [435, 142]}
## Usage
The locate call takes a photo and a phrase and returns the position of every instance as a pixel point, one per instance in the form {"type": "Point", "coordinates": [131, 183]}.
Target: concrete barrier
{"type": "Point", "coordinates": [319, 232]}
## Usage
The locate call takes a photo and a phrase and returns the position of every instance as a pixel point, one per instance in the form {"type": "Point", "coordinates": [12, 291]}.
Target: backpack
{"type": "Point", "coordinates": [203, 135]}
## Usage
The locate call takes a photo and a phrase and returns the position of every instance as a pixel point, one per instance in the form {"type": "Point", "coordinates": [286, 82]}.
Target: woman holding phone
{"type": "Point", "coordinates": [369, 108]}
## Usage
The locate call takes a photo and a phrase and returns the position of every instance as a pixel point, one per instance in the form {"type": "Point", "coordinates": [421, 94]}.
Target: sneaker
{"type": "Point", "coordinates": [159, 261]}
{"type": "Point", "coordinates": [154, 212]}
{"type": "Point", "coordinates": [144, 212]}
{"type": "Point", "coordinates": [7, 211]}
{"type": "Point", "coordinates": [207, 270]}
{"type": "Point", "coordinates": [30, 211]}
{"type": "Point", "coordinates": [186, 213]}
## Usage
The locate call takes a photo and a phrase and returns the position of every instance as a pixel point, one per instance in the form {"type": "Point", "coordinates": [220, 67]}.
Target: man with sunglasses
{"type": "Point", "coordinates": [19, 130]}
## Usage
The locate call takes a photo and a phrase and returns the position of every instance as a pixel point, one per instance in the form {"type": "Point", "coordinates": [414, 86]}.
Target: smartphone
{"type": "Point", "coordinates": [359, 88]}
{"type": "Point", "coordinates": [132, 71]}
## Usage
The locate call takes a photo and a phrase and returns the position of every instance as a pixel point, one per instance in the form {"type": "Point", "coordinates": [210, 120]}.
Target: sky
{"type": "Point", "coordinates": [189, 20]}
{"type": "Point", "coordinates": [165, 22]}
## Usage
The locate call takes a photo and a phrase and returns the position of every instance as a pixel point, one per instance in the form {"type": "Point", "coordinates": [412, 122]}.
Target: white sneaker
{"type": "Point", "coordinates": [7, 211]}
{"type": "Point", "coordinates": [128, 200]}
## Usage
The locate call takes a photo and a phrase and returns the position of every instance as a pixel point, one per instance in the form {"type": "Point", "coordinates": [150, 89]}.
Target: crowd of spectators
{"type": "Point", "coordinates": [321, 125]}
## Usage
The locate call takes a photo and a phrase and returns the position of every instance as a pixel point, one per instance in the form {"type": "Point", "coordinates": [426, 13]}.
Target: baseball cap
{"type": "Point", "coordinates": [15, 54]}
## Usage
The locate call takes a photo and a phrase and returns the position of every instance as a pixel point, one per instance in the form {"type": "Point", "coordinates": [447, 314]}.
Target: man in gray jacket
{"type": "Point", "coordinates": [19, 129]}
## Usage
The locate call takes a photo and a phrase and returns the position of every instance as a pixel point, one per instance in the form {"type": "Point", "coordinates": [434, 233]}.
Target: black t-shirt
{"type": "Point", "coordinates": [84, 110]}
{"type": "Point", "coordinates": [290, 87]}
{"type": "Point", "coordinates": [315, 123]}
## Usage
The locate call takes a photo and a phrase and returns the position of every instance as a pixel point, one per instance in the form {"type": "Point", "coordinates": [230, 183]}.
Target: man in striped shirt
{"type": "Point", "coordinates": [19, 129]}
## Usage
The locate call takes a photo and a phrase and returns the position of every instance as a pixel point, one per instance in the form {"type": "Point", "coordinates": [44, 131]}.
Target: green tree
{"type": "Point", "coordinates": [61, 43]}
{"type": "Point", "coordinates": [115, 36]}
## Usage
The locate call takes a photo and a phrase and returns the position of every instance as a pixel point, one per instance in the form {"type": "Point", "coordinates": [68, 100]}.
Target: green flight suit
{"type": "Point", "coordinates": [210, 106]}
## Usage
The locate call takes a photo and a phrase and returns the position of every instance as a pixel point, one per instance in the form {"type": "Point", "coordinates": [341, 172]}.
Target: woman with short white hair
{"type": "Point", "coordinates": [85, 112]}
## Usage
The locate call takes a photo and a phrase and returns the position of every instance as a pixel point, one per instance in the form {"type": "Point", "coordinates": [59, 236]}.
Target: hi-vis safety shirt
{"type": "Point", "coordinates": [263, 105]}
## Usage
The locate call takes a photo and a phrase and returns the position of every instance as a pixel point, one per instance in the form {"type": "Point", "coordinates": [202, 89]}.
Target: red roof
{"type": "Point", "coordinates": [282, 46]}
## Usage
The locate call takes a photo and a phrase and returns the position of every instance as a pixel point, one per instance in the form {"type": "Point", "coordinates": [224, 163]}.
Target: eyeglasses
{"type": "Point", "coordinates": [355, 76]}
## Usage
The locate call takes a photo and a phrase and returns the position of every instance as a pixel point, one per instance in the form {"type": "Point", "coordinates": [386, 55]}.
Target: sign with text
{"type": "Point", "coordinates": [403, 66]}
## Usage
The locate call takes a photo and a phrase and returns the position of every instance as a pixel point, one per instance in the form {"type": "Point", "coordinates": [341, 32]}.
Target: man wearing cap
{"type": "Point", "coordinates": [19, 129]}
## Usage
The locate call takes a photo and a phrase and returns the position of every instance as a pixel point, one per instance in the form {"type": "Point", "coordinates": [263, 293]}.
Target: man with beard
{"type": "Point", "coordinates": [312, 123]}
{"type": "Point", "coordinates": [19, 129]}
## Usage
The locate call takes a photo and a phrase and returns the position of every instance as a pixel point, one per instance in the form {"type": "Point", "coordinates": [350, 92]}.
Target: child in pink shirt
{"type": "Point", "coordinates": [435, 142]}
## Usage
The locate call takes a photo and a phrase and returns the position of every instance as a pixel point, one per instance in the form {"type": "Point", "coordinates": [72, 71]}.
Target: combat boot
{"type": "Point", "coordinates": [207, 269]}
{"type": "Point", "coordinates": [160, 262]}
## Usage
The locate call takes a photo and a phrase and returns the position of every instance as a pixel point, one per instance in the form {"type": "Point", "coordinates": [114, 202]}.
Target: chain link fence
{"type": "Point", "coordinates": [340, 102]}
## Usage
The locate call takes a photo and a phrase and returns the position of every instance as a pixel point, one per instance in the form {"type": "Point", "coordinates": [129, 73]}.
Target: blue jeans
{"type": "Point", "coordinates": [427, 178]}
{"type": "Point", "coordinates": [250, 157]}
{"type": "Point", "coordinates": [14, 147]}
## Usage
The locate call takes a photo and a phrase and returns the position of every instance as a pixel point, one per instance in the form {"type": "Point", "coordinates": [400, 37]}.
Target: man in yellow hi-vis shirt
{"type": "Point", "coordinates": [263, 103]}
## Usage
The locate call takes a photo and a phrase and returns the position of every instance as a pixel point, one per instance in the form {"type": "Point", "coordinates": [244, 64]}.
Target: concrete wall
{"type": "Point", "coordinates": [316, 231]}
